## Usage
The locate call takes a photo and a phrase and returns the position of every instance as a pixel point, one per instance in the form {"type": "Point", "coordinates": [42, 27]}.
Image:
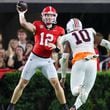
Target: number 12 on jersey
{"type": "Point", "coordinates": [45, 38]}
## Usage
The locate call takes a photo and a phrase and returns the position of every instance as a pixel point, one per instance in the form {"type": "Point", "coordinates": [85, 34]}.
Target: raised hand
{"type": "Point", "coordinates": [21, 7]}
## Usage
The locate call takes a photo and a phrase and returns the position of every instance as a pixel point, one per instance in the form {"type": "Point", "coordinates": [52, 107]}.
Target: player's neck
{"type": "Point", "coordinates": [49, 26]}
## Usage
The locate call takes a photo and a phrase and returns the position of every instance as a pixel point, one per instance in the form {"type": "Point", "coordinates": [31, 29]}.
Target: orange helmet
{"type": "Point", "coordinates": [49, 15]}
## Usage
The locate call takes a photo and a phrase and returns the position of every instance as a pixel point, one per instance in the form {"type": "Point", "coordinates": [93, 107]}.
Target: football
{"type": "Point", "coordinates": [22, 6]}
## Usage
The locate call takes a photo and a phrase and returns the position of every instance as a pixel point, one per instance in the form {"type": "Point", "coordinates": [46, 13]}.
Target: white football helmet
{"type": "Point", "coordinates": [73, 24]}
{"type": "Point", "coordinates": [49, 15]}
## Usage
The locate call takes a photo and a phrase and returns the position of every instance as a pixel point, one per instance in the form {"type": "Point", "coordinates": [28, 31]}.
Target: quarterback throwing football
{"type": "Point", "coordinates": [46, 35]}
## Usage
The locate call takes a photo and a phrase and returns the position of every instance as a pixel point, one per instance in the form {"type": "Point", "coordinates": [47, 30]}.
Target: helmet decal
{"type": "Point", "coordinates": [73, 24]}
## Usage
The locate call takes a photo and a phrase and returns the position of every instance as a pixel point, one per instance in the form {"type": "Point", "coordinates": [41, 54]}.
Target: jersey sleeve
{"type": "Point", "coordinates": [36, 24]}
{"type": "Point", "coordinates": [62, 31]}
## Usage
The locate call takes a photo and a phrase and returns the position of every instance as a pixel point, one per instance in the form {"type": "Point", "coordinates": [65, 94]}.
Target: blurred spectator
{"type": "Point", "coordinates": [1, 43]}
{"type": "Point", "coordinates": [17, 61]}
{"type": "Point", "coordinates": [107, 61]}
{"type": "Point", "coordinates": [97, 51]}
{"type": "Point", "coordinates": [109, 41]}
{"type": "Point", "coordinates": [22, 37]}
{"type": "Point", "coordinates": [29, 47]}
{"type": "Point", "coordinates": [103, 55]}
{"type": "Point", "coordinates": [13, 43]}
{"type": "Point", "coordinates": [2, 58]}
{"type": "Point", "coordinates": [109, 37]}
{"type": "Point", "coordinates": [98, 60]}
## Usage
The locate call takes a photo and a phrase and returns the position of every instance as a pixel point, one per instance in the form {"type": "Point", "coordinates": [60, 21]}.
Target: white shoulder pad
{"type": "Point", "coordinates": [93, 30]}
{"type": "Point", "coordinates": [64, 38]}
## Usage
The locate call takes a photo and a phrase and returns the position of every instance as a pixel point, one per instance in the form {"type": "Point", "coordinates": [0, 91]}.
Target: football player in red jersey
{"type": "Point", "coordinates": [46, 35]}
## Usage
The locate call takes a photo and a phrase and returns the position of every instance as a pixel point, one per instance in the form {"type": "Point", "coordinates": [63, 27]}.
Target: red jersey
{"type": "Point", "coordinates": [43, 36]}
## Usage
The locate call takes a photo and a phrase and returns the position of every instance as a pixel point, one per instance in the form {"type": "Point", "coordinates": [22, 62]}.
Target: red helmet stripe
{"type": "Point", "coordinates": [76, 23]}
{"type": "Point", "coordinates": [50, 8]}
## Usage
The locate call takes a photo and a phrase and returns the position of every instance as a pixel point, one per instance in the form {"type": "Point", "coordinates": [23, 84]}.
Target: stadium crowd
{"type": "Point", "coordinates": [19, 48]}
{"type": "Point", "coordinates": [16, 54]}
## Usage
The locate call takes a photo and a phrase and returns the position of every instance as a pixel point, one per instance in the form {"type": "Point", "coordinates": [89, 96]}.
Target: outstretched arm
{"type": "Point", "coordinates": [64, 62]}
{"type": "Point", "coordinates": [23, 22]}
{"type": "Point", "coordinates": [105, 43]}
{"type": "Point", "coordinates": [65, 57]}
{"type": "Point", "coordinates": [101, 41]}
